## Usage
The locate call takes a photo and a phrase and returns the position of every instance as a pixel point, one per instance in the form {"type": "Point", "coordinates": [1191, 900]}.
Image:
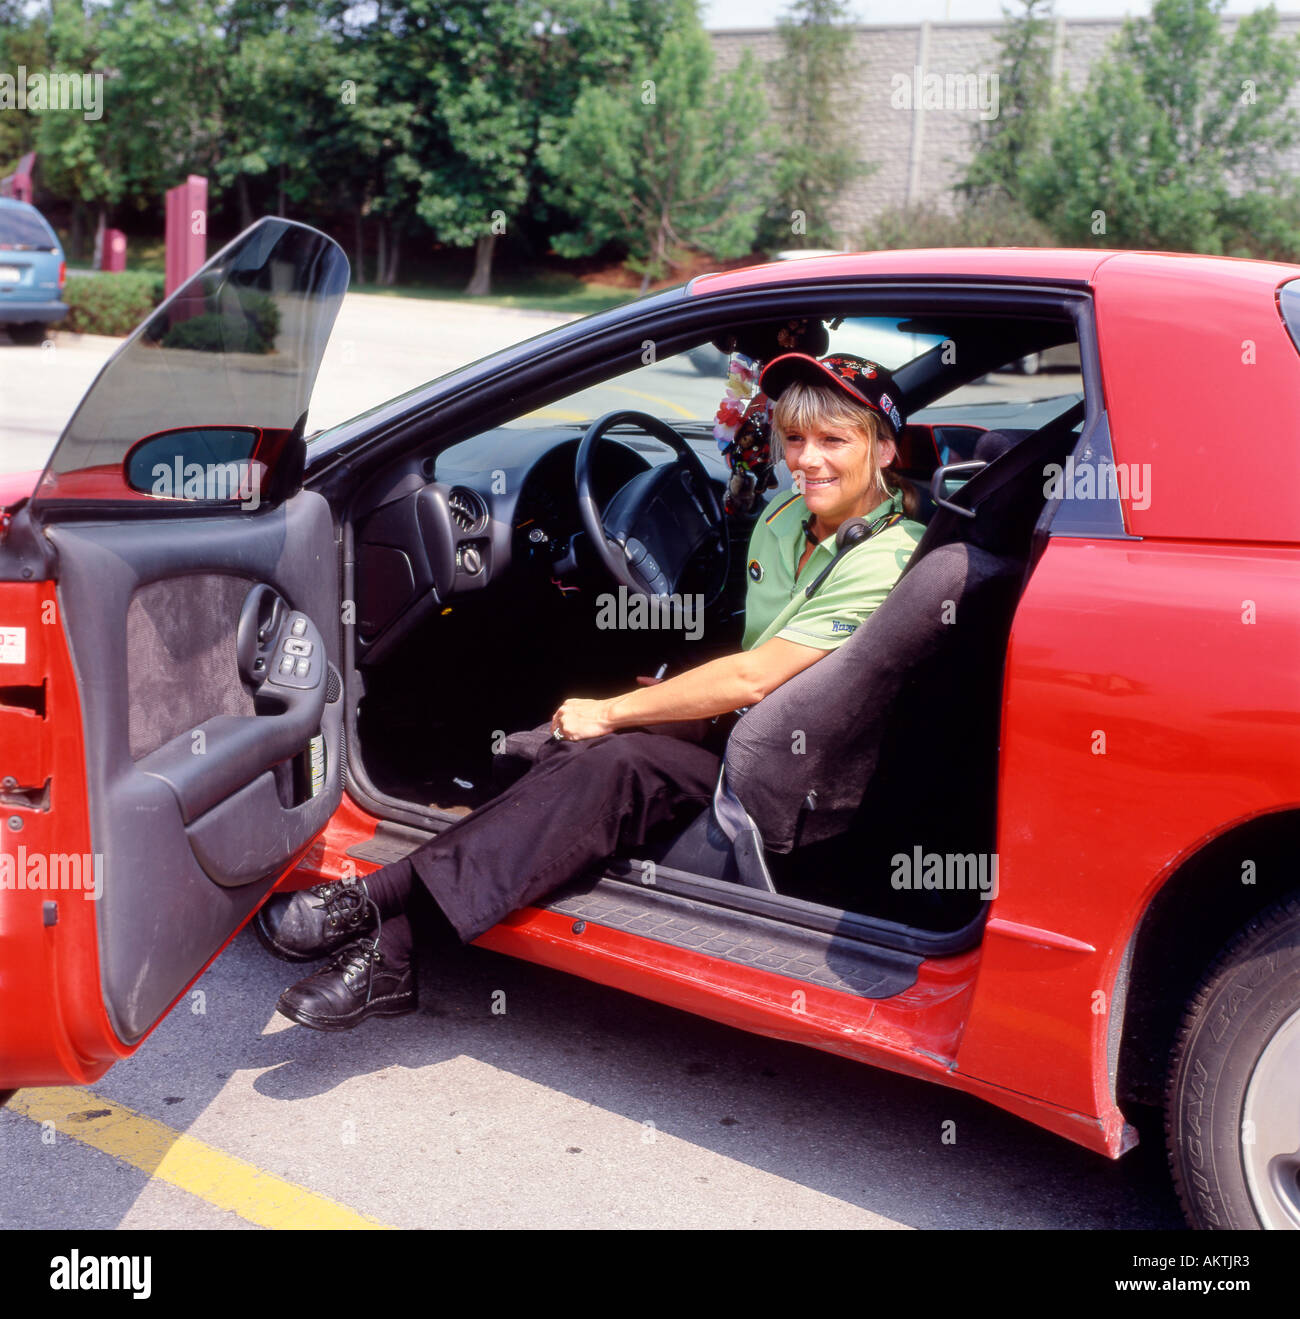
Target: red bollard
{"type": "Point", "coordinates": [187, 230]}
{"type": "Point", "coordinates": [18, 185]}
{"type": "Point", "coordinates": [112, 253]}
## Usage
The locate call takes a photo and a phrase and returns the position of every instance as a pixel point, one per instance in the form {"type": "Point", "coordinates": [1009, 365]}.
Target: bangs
{"type": "Point", "coordinates": [805, 406]}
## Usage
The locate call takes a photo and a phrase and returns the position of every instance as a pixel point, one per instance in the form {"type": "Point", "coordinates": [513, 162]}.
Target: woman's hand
{"type": "Point", "coordinates": [578, 719]}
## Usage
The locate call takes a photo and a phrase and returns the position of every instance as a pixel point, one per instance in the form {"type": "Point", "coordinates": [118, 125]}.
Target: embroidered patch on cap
{"type": "Point", "coordinates": [866, 381]}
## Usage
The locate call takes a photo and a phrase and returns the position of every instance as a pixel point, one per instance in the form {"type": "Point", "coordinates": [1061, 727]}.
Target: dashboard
{"type": "Point", "coordinates": [501, 505]}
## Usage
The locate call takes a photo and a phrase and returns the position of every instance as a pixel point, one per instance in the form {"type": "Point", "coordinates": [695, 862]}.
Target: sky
{"type": "Point", "coordinates": [763, 13]}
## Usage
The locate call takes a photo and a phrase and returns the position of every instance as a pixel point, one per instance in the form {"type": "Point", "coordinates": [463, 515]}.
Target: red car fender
{"type": "Point", "coordinates": [1143, 716]}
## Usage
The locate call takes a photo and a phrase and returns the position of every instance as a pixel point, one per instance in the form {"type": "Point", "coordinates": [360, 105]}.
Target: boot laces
{"type": "Point", "coordinates": [344, 901]}
{"type": "Point", "coordinates": [364, 954]}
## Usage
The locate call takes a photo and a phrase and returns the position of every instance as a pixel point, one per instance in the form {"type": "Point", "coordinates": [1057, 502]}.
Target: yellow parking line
{"type": "Point", "coordinates": [653, 398]}
{"type": "Point", "coordinates": [557, 414]}
{"type": "Point", "coordinates": [181, 1161]}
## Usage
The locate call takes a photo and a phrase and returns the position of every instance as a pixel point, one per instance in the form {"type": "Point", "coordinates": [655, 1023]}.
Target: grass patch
{"type": "Point", "coordinates": [551, 292]}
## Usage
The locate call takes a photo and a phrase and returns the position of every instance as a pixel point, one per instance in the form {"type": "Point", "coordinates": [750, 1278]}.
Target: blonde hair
{"type": "Point", "coordinates": [807, 406]}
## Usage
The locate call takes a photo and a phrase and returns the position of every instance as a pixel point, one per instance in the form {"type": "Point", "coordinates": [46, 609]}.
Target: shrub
{"type": "Point", "coordinates": [264, 313]}
{"type": "Point", "coordinates": [212, 332]}
{"type": "Point", "coordinates": [996, 223]}
{"type": "Point", "coordinates": [110, 304]}
{"type": "Point", "coordinates": [116, 304]}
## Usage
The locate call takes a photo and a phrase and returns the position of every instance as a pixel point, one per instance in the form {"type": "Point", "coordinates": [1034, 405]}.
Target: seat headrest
{"type": "Point", "coordinates": [993, 444]}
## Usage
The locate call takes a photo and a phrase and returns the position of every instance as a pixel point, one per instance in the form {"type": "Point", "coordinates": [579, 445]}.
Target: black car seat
{"type": "Point", "coordinates": [890, 743]}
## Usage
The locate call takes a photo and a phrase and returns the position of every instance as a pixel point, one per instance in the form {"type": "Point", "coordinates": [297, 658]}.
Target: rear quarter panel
{"type": "Point", "coordinates": [1152, 692]}
{"type": "Point", "coordinates": [1202, 382]}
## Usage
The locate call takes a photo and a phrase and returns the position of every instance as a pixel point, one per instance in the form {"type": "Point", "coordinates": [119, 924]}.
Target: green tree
{"type": "Point", "coordinates": [310, 127]}
{"type": "Point", "coordinates": [276, 80]}
{"type": "Point", "coordinates": [155, 125]}
{"type": "Point", "coordinates": [1175, 143]}
{"type": "Point", "coordinates": [24, 41]}
{"type": "Point", "coordinates": [1005, 145]}
{"type": "Point", "coordinates": [495, 82]}
{"type": "Point", "coordinates": [668, 159]}
{"type": "Point", "coordinates": [812, 100]}
{"type": "Point", "coordinates": [472, 176]}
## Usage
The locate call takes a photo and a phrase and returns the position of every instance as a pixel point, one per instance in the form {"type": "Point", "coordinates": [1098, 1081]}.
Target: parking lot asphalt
{"type": "Point", "coordinates": [578, 1106]}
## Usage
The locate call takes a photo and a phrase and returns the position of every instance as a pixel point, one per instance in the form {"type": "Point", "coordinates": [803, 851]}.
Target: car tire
{"type": "Point", "coordinates": [1031, 365]}
{"type": "Point", "coordinates": [1232, 1100]}
{"type": "Point", "coordinates": [27, 333]}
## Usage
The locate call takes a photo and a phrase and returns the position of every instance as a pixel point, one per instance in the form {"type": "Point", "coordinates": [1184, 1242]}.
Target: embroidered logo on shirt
{"type": "Point", "coordinates": [839, 625]}
{"type": "Point", "coordinates": [756, 570]}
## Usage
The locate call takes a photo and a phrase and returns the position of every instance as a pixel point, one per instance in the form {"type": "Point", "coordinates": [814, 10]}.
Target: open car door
{"type": "Point", "coordinates": [170, 722]}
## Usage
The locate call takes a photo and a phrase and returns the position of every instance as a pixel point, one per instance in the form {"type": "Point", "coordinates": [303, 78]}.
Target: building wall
{"type": "Point", "coordinates": [922, 153]}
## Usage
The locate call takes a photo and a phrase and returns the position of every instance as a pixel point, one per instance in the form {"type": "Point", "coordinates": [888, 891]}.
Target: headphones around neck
{"type": "Point", "coordinates": [852, 531]}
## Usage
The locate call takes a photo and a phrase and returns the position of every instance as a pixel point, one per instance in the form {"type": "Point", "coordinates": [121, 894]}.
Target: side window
{"type": "Point", "coordinates": [1288, 301]}
{"type": "Point", "coordinates": [233, 352]}
{"type": "Point", "coordinates": [1018, 396]}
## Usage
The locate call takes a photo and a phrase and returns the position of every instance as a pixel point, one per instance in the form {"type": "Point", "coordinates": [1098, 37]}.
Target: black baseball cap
{"type": "Point", "coordinates": [865, 382]}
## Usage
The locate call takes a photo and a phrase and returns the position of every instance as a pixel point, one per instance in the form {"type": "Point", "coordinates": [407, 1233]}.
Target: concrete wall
{"type": "Point", "coordinates": [921, 153]}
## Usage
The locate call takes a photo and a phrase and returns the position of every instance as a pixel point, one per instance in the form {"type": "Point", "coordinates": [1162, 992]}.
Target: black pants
{"type": "Point", "coordinates": [580, 803]}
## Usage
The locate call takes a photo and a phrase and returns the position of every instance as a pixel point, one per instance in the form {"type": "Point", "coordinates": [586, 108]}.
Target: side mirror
{"type": "Point", "coordinates": [215, 464]}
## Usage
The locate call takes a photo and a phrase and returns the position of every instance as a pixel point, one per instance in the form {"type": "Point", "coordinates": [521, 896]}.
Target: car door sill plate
{"type": "Point", "coordinates": [831, 961]}
{"type": "Point", "coordinates": [390, 843]}
{"type": "Point", "coordinates": [816, 957]}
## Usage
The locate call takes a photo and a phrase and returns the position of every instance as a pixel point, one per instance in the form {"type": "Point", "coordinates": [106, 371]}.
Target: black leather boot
{"type": "Point", "coordinates": [358, 983]}
{"type": "Point", "coordinates": [312, 923]}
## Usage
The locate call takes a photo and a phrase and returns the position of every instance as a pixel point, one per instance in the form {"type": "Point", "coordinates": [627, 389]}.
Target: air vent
{"type": "Point", "coordinates": [468, 511]}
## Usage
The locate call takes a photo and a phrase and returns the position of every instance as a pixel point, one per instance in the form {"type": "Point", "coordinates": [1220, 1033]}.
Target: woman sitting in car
{"type": "Point", "coordinates": [605, 780]}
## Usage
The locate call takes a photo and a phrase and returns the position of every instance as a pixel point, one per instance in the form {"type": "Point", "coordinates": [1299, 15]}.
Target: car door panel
{"type": "Point", "coordinates": [190, 789]}
{"type": "Point", "coordinates": [169, 642]}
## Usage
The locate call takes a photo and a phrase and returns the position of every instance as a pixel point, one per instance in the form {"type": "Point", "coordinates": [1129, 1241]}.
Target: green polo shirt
{"type": "Point", "coordinates": [775, 604]}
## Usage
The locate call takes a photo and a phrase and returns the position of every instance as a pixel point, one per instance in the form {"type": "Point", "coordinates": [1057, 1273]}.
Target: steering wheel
{"type": "Point", "coordinates": [661, 522]}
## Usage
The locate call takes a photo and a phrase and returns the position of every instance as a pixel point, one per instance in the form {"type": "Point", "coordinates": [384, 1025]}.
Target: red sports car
{"type": "Point", "coordinates": [1031, 832]}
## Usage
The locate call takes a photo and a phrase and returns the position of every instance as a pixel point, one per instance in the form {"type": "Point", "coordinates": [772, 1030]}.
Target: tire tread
{"type": "Point", "coordinates": [1256, 930]}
